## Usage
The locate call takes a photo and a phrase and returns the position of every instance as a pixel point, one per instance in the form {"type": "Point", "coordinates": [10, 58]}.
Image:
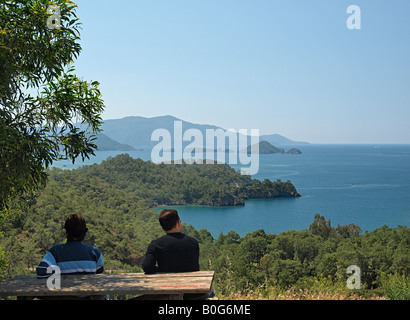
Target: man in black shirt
{"type": "Point", "coordinates": [173, 252]}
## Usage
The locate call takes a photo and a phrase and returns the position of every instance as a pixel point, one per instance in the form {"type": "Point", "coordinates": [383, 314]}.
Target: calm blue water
{"type": "Point", "coordinates": [363, 184]}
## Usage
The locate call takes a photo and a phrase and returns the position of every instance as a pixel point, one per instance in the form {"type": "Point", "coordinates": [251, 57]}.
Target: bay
{"type": "Point", "coordinates": [368, 185]}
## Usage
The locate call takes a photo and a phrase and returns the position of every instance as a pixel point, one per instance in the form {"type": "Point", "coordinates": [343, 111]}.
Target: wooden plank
{"type": "Point", "coordinates": [129, 283]}
{"type": "Point", "coordinates": [179, 274]}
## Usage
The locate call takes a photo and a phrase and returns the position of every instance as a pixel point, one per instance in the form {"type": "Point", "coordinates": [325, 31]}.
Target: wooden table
{"type": "Point", "coordinates": [170, 286]}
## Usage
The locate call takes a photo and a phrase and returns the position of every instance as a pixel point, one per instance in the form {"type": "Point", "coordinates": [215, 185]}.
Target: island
{"type": "Point", "coordinates": [266, 148]}
{"type": "Point", "coordinates": [294, 151]}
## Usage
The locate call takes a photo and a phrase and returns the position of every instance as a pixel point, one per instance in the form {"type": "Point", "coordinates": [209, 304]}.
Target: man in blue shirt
{"type": "Point", "coordinates": [73, 257]}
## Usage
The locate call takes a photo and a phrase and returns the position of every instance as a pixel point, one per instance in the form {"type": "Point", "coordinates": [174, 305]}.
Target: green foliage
{"type": "Point", "coordinates": [324, 285]}
{"type": "Point", "coordinates": [298, 260]}
{"type": "Point", "coordinates": [3, 263]}
{"type": "Point", "coordinates": [40, 97]}
{"type": "Point", "coordinates": [395, 286]}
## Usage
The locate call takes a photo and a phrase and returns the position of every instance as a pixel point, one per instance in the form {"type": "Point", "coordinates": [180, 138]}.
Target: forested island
{"type": "Point", "coordinates": [266, 148]}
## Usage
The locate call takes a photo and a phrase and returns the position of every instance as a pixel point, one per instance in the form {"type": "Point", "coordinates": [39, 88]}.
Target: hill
{"type": "Point", "coordinates": [105, 143]}
{"type": "Point", "coordinates": [279, 140]}
{"type": "Point", "coordinates": [136, 131]}
{"type": "Point", "coordinates": [266, 148]}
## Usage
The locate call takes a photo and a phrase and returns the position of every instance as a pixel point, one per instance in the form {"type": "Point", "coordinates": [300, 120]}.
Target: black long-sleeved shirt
{"type": "Point", "coordinates": [173, 252]}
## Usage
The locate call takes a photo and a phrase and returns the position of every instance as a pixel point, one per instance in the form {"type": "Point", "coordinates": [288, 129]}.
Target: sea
{"type": "Point", "coordinates": [368, 185]}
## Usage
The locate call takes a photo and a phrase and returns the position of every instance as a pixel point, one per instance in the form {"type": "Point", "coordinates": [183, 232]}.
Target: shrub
{"type": "Point", "coordinates": [395, 286]}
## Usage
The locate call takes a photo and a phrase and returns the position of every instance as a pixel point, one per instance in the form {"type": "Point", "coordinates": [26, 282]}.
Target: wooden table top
{"type": "Point", "coordinates": [114, 284]}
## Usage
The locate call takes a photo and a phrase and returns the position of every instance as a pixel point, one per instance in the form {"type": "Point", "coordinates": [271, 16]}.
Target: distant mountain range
{"type": "Point", "coordinates": [135, 132]}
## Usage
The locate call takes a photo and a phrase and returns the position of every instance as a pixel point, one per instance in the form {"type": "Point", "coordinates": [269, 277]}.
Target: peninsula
{"type": "Point", "coordinates": [183, 184]}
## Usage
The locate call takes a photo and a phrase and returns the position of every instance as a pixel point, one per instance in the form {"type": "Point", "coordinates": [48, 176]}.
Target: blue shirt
{"type": "Point", "coordinates": [72, 258]}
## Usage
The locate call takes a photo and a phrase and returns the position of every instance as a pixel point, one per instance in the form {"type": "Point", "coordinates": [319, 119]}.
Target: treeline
{"type": "Point", "coordinates": [301, 258]}
{"type": "Point", "coordinates": [116, 197]}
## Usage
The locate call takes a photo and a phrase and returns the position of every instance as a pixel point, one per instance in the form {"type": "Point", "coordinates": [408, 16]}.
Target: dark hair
{"type": "Point", "coordinates": [75, 227]}
{"type": "Point", "coordinates": [168, 218]}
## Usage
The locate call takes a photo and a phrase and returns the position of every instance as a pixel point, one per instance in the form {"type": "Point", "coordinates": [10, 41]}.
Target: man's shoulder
{"type": "Point", "coordinates": [183, 237]}
{"type": "Point", "coordinates": [57, 247]}
{"type": "Point", "coordinates": [76, 246]}
{"type": "Point", "coordinates": [90, 248]}
{"type": "Point", "coordinates": [174, 237]}
{"type": "Point", "coordinates": [190, 238]}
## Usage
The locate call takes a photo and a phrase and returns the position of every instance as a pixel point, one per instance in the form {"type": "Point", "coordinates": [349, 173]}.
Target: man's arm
{"type": "Point", "coordinates": [150, 261]}
{"type": "Point", "coordinates": [48, 260]}
{"type": "Point", "coordinates": [100, 262]}
{"type": "Point", "coordinates": [196, 255]}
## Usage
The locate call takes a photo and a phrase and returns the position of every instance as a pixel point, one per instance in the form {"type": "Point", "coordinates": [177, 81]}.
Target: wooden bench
{"type": "Point", "coordinates": [167, 286]}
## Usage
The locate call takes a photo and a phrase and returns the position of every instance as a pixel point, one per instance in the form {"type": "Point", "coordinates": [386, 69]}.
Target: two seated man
{"type": "Point", "coordinates": [173, 252]}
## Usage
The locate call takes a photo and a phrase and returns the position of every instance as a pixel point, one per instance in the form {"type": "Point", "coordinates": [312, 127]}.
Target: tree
{"type": "Point", "coordinates": [321, 227]}
{"type": "Point", "coordinates": [254, 246]}
{"type": "Point", "coordinates": [41, 99]}
{"type": "Point", "coordinates": [348, 231]}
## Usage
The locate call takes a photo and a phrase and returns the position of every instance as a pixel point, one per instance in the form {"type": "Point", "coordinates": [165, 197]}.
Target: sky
{"type": "Point", "coordinates": [288, 67]}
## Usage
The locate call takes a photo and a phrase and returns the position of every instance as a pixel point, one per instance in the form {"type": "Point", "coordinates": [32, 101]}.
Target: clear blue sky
{"type": "Point", "coordinates": [289, 67]}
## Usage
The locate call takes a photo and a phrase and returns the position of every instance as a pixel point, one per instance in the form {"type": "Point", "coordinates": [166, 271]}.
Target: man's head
{"type": "Point", "coordinates": [169, 220]}
{"type": "Point", "coordinates": [75, 228]}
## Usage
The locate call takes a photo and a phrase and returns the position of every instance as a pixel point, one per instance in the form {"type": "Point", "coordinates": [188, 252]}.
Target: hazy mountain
{"type": "Point", "coordinates": [105, 143]}
{"type": "Point", "coordinates": [266, 148]}
{"type": "Point", "coordinates": [136, 131]}
{"type": "Point", "coordinates": [277, 139]}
